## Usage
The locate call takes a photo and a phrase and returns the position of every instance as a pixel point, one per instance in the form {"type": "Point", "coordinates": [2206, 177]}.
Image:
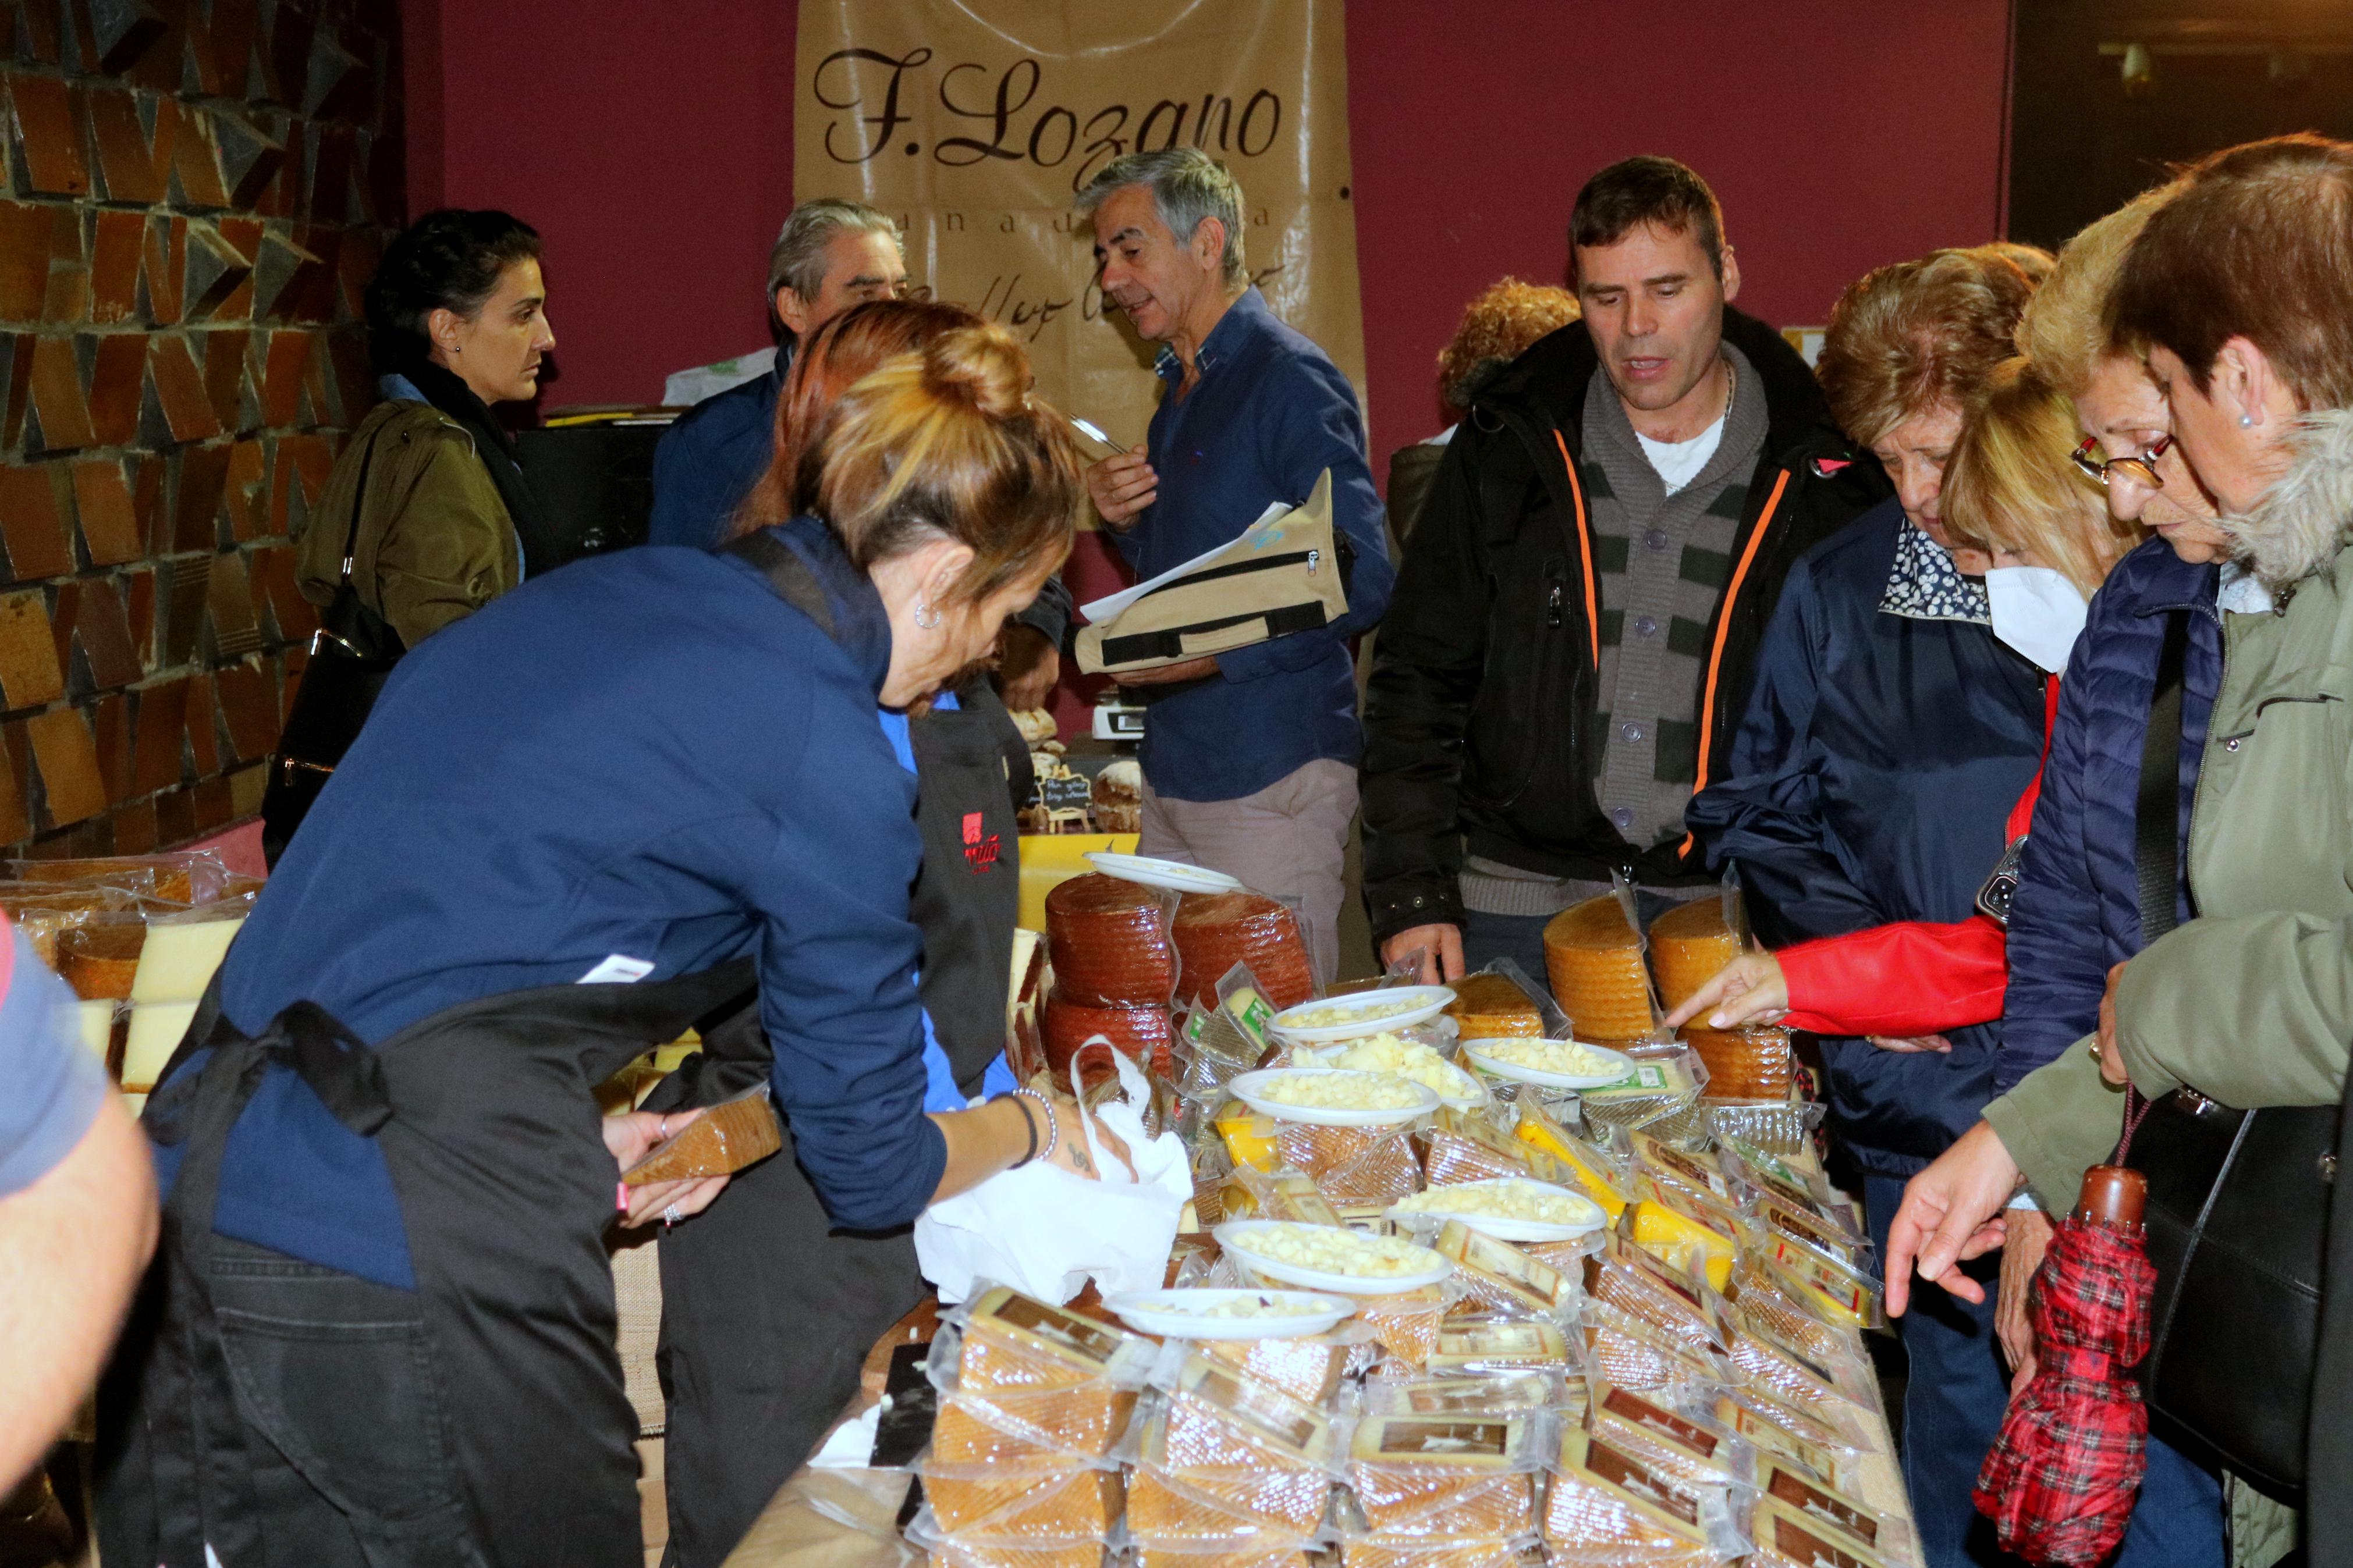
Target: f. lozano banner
{"type": "Point", "coordinates": [976, 123]}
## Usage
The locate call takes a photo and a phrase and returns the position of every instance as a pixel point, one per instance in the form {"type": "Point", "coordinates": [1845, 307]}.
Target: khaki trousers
{"type": "Point", "coordinates": [1287, 841]}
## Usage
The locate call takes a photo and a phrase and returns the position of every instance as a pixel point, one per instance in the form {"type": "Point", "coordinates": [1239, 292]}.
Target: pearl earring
{"type": "Point", "coordinates": [2246, 421]}
{"type": "Point", "coordinates": [927, 617]}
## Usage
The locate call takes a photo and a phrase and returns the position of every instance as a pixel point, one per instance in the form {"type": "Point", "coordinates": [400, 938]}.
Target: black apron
{"type": "Point", "coordinates": [767, 1311]}
{"type": "Point", "coordinates": [297, 1417]}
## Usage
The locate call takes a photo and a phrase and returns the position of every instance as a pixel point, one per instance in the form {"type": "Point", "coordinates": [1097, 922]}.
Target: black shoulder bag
{"type": "Point", "coordinates": [2238, 1200]}
{"type": "Point", "coordinates": [350, 654]}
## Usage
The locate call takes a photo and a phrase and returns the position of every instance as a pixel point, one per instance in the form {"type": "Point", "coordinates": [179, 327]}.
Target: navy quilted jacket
{"type": "Point", "coordinates": [2078, 911]}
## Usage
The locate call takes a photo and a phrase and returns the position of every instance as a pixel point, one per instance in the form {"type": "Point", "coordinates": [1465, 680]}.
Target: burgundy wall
{"type": "Point", "coordinates": [653, 148]}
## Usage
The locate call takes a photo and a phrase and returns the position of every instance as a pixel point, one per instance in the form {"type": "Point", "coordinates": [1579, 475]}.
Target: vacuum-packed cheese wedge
{"type": "Point", "coordinates": [1014, 1504]}
{"type": "Point", "coordinates": [1689, 945]}
{"type": "Point", "coordinates": [1464, 1146]}
{"type": "Point", "coordinates": [1784, 1538]}
{"type": "Point", "coordinates": [1764, 1296]}
{"type": "Point", "coordinates": [1445, 1475]}
{"type": "Point", "coordinates": [1843, 1294]}
{"type": "Point", "coordinates": [951, 1553]}
{"type": "Point", "coordinates": [1287, 1194]}
{"type": "Point", "coordinates": [1698, 1172]}
{"type": "Point", "coordinates": [1219, 1554]}
{"type": "Point", "coordinates": [1598, 1175]}
{"type": "Point", "coordinates": [1497, 1275]}
{"type": "Point", "coordinates": [1238, 1447]}
{"type": "Point", "coordinates": [1595, 961]}
{"type": "Point", "coordinates": [1744, 1064]}
{"type": "Point", "coordinates": [1808, 1228]}
{"type": "Point", "coordinates": [1052, 1378]}
{"type": "Point", "coordinates": [1309, 1370]}
{"type": "Point", "coordinates": [1681, 1241]}
{"type": "Point", "coordinates": [1491, 1345]}
{"type": "Point", "coordinates": [156, 1028]}
{"type": "Point", "coordinates": [1022, 1427]}
{"type": "Point", "coordinates": [1407, 1552]}
{"type": "Point", "coordinates": [1607, 1509]}
{"type": "Point", "coordinates": [1214, 931]}
{"type": "Point", "coordinates": [1831, 1508]}
{"type": "Point", "coordinates": [1453, 1395]}
{"type": "Point", "coordinates": [1108, 941]}
{"type": "Point", "coordinates": [1407, 1324]}
{"type": "Point", "coordinates": [1350, 1164]}
{"type": "Point", "coordinates": [1693, 1451]}
{"type": "Point", "coordinates": [1783, 1431]}
{"type": "Point", "coordinates": [723, 1140]}
{"type": "Point", "coordinates": [1632, 1353]}
{"type": "Point", "coordinates": [1487, 1006]}
{"type": "Point", "coordinates": [1626, 1277]}
{"type": "Point", "coordinates": [177, 960]}
{"type": "Point", "coordinates": [1809, 1384]}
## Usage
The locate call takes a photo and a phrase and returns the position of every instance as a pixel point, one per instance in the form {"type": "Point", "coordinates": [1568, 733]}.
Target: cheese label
{"type": "Point", "coordinates": [1819, 1503]}
{"type": "Point", "coordinates": [1775, 1438]}
{"type": "Point", "coordinates": [1683, 1167]}
{"type": "Point", "coordinates": [1501, 1341]}
{"type": "Point", "coordinates": [1620, 1471]}
{"type": "Point", "coordinates": [1798, 1539]}
{"type": "Point", "coordinates": [1273, 1416]}
{"type": "Point", "coordinates": [1804, 1226]}
{"type": "Point", "coordinates": [1540, 1284]}
{"type": "Point", "coordinates": [1448, 1441]}
{"type": "Point", "coordinates": [1630, 1407]}
{"type": "Point", "coordinates": [1065, 1334]}
{"type": "Point", "coordinates": [1831, 1284]}
{"type": "Point", "coordinates": [1475, 1129]}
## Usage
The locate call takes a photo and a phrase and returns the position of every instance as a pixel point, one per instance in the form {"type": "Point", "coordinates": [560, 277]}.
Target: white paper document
{"type": "Point", "coordinates": [1111, 606]}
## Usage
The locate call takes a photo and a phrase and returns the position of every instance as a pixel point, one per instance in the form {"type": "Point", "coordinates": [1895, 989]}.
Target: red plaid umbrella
{"type": "Point", "coordinates": [2061, 1481]}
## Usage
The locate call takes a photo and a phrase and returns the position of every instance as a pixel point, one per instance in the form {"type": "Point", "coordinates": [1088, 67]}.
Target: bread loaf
{"type": "Point", "coordinates": [1744, 1064]}
{"type": "Point", "coordinates": [1139, 1030]}
{"type": "Point", "coordinates": [1109, 941]}
{"type": "Point", "coordinates": [1689, 944]}
{"type": "Point", "coordinates": [1214, 931]}
{"type": "Point", "coordinates": [1595, 961]}
{"type": "Point", "coordinates": [1488, 1005]}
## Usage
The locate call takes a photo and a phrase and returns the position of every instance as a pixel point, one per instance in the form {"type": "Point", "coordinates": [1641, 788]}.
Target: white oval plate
{"type": "Point", "coordinates": [1235, 1236]}
{"type": "Point", "coordinates": [1173, 875]}
{"type": "Point", "coordinates": [1504, 1229]}
{"type": "Point", "coordinates": [1183, 1314]}
{"type": "Point", "coordinates": [1470, 1100]}
{"type": "Point", "coordinates": [1423, 1003]}
{"type": "Point", "coordinates": [1246, 1090]}
{"type": "Point", "coordinates": [1620, 1065]}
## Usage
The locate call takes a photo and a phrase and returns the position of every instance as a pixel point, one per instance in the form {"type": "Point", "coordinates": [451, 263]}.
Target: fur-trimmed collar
{"type": "Point", "coordinates": [2298, 525]}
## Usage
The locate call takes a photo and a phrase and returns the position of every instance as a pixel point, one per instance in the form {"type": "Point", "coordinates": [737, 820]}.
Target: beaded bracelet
{"type": "Point", "coordinates": [1053, 1128]}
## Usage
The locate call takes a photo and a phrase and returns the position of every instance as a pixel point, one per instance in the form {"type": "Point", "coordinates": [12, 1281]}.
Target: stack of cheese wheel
{"type": "Point", "coordinates": [1594, 959]}
{"type": "Point", "coordinates": [1115, 967]}
{"type": "Point", "coordinates": [1216, 930]}
{"type": "Point", "coordinates": [1689, 944]}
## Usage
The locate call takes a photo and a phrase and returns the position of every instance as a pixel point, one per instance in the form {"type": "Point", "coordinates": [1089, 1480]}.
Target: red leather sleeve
{"type": "Point", "coordinates": [1905, 980]}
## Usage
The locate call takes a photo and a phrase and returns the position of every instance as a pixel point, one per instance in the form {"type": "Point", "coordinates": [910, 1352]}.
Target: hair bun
{"type": "Point", "coordinates": [980, 365]}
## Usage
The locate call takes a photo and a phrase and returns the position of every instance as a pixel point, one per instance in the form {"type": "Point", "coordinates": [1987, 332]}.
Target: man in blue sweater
{"type": "Point", "coordinates": [1250, 757]}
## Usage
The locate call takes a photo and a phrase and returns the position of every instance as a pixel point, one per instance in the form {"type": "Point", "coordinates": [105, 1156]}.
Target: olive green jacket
{"type": "Point", "coordinates": [2251, 1002]}
{"type": "Point", "coordinates": [434, 542]}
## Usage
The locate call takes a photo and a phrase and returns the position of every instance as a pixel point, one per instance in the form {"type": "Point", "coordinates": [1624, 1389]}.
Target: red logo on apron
{"type": "Point", "coordinates": [972, 827]}
{"type": "Point", "coordinates": [979, 848]}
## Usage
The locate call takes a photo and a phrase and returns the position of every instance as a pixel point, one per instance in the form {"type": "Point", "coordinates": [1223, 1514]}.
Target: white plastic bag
{"type": "Point", "coordinates": [1042, 1230]}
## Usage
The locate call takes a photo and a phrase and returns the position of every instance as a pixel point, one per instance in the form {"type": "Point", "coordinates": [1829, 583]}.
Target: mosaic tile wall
{"type": "Point", "coordinates": [196, 197]}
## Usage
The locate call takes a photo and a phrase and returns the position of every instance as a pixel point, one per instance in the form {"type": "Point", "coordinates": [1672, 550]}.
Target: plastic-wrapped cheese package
{"type": "Point", "coordinates": [1219, 1554]}
{"type": "Point", "coordinates": [735, 1134]}
{"type": "Point", "coordinates": [1410, 1551]}
{"type": "Point", "coordinates": [1632, 1353]}
{"type": "Point", "coordinates": [1764, 1296]}
{"type": "Point", "coordinates": [1606, 1508]}
{"type": "Point", "coordinates": [1310, 1370]}
{"type": "Point", "coordinates": [1809, 1384]}
{"type": "Point", "coordinates": [186, 877]}
{"type": "Point", "coordinates": [1837, 1515]}
{"type": "Point", "coordinates": [1599, 1172]}
{"type": "Point", "coordinates": [1436, 1394]}
{"type": "Point", "coordinates": [98, 955]}
{"type": "Point", "coordinates": [1662, 1093]}
{"type": "Point", "coordinates": [1686, 1233]}
{"type": "Point", "coordinates": [1491, 1004]}
{"type": "Point", "coordinates": [1787, 1538]}
{"type": "Point", "coordinates": [1808, 1229]}
{"type": "Point", "coordinates": [182, 951]}
{"type": "Point", "coordinates": [1499, 1345]}
{"type": "Point", "coordinates": [1464, 1146]}
{"type": "Point", "coordinates": [1447, 1476]}
{"type": "Point", "coordinates": [1697, 1452]}
{"type": "Point", "coordinates": [1626, 1277]}
{"type": "Point", "coordinates": [947, 1551]}
{"type": "Point", "coordinates": [1015, 1368]}
{"type": "Point", "coordinates": [1840, 1291]}
{"type": "Point", "coordinates": [1408, 1325]}
{"type": "Point", "coordinates": [1494, 1276]}
{"type": "Point", "coordinates": [1250, 1193]}
{"type": "Point", "coordinates": [1222, 1447]}
{"type": "Point", "coordinates": [1138, 1030]}
{"type": "Point", "coordinates": [1013, 1504]}
{"type": "Point", "coordinates": [1351, 1164]}
{"type": "Point", "coordinates": [1698, 1172]}
{"type": "Point", "coordinates": [1778, 1430]}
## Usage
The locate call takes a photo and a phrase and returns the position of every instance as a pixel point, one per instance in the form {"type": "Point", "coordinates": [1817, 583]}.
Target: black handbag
{"type": "Point", "coordinates": [2238, 1200]}
{"type": "Point", "coordinates": [350, 654]}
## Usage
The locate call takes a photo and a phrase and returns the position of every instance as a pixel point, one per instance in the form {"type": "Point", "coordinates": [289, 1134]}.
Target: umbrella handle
{"type": "Point", "coordinates": [2114, 1197]}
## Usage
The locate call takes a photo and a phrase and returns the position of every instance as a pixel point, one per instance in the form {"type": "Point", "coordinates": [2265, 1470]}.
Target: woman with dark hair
{"type": "Point", "coordinates": [382, 1328]}
{"type": "Point", "coordinates": [427, 514]}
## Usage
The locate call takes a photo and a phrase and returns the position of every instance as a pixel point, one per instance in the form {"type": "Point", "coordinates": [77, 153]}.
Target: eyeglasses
{"type": "Point", "coordinates": [2142, 468]}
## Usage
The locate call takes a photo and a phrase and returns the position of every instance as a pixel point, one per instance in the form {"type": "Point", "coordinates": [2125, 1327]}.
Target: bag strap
{"type": "Point", "coordinates": [787, 573]}
{"type": "Point", "coordinates": [2157, 821]}
{"type": "Point", "coordinates": [359, 500]}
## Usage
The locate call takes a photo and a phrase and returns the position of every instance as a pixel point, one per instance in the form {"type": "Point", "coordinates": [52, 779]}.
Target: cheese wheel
{"type": "Point", "coordinates": [1139, 1030]}
{"type": "Point", "coordinates": [1689, 944]}
{"type": "Point", "coordinates": [1744, 1064]}
{"type": "Point", "coordinates": [155, 1031]}
{"type": "Point", "coordinates": [1109, 942]}
{"type": "Point", "coordinates": [99, 961]}
{"type": "Point", "coordinates": [1214, 931]}
{"type": "Point", "coordinates": [1595, 961]}
{"type": "Point", "coordinates": [1488, 1006]}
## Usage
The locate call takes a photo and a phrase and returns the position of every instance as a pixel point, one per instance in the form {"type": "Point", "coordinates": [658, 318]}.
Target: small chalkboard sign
{"type": "Point", "coordinates": [1055, 794]}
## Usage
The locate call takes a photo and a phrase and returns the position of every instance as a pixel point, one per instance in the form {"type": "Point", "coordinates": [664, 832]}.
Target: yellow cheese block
{"type": "Point", "coordinates": [1250, 1137]}
{"type": "Point", "coordinates": [95, 1022]}
{"type": "Point", "coordinates": [1674, 1239]}
{"type": "Point", "coordinates": [179, 957]}
{"type": "Point", "coordinates": [155, 1031]}
{"type": "Point", "coordinates": [1542, 1132]}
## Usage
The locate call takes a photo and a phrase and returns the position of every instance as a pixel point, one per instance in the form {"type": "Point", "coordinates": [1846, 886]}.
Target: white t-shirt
{"type": "Point", "coordinates": [1678, 462]}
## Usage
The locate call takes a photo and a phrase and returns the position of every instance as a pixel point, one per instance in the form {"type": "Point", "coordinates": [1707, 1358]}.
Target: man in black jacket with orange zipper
{"type": "Point", "coordinates": [1575, 624]}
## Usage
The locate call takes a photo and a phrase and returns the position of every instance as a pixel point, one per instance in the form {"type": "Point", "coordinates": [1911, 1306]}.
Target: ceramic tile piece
{"type": "Point", "coordinates": [167, 255]}
{"type": "Point", "coordinates": [216, 807]}
{"type": "Point", "coordinates": [149, 482]}
{"type": "Point", "coordinates": [139, 594]}
{"type": "Point", "coordinates": [91, 636]}
{"type": "Point", "coordinates": [38, 33]}
{"type": "Point", "coordinates": [134, 828]}
{"type": "Point", "coordinates": [330, 174]}
{"type": "Point", "coordinates": [251, 158]}
{"type": "Point", "coordinates": [110, 723]}
{"type": "Point", "coordinates": [16, 786]}
{"type": "Point", "coordinates": [109, 519]}
{"type": "Point", "coordinates": [223, 351]}
{"type": "Point", "coordinates": [17, 350]}
{"type": "Point", "coordinates": [276, 573]}
{"type": "Point", "coordinates": [119, 33]}
{"type": "Point", "coordinates": [249, 507]}
{"type": "Point", "coordinates": [126, 152]}
{"type": "Point", "coordinates": [24, 259]}
{"type": "Point", "coordinates": [32, 519]}
{"type": "Point", "coordinates": [29, 675]}
{"type": "Point", "coordinates": [71, 790]}
{"type": "Point", "coordinates": [114, 257]}
{"type": "Point", "coordinates": [64, 300]}
{"type": "Point", "coordinates": [288, 359]}
{"type": "Point", "coordinates": [179, 389]}
{"type": "Point", "coordinates": [195, 161]}
{"type": "Point", "coordinates": [217, 271]}
{"type": "Point", "coordinates": [175, 817]}
{"type": "Point", "coordinates": [235, 26]}
{"type": "Point", "coordinates": [203, 477]}
{"type": "Point", "coordinates": [118, 380]}
{"type": "Point", "coordinates": [160, 733]}
{"type": "Point", "coordinates": [237, 632]}
{"type": "Point", "coordinates": [184, 610]}
{"type": "Point", "coordinates": [204, 734]}
{"type": "Point", "coordinates": [246, 788]}
{"type": "Point", "coordinates": [47, 134]}
{"type": "Point", "coordinates": [60, 410]}
{"type": "Point", "coordinates": [281, 274]}
{"type": "Point", "coordinates": [249, 701]}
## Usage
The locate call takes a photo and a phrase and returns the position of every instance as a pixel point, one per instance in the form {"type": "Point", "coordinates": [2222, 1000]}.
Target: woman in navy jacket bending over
{"type": "Point", "coordinates": [381, 1327]}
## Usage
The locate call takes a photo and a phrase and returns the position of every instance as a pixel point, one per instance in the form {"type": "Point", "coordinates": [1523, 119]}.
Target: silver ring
{"type": "Point", "coordinates": [671, 1216]}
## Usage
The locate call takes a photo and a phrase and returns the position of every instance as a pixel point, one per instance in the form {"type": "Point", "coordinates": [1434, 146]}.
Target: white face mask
{"type": "Point", "coordinates": [2036, 611]}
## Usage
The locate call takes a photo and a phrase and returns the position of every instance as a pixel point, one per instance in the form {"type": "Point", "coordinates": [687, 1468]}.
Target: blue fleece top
{"type": "Point", "coordinates": [55, 1084]}
{"type": "Point", "coordinates": [708, 461]}
{"type": "Point", "coordinates": [1869, 781]}
{"type": "Point", "coordinates": [646, 754]}
{"type": "Point", "coordinates": [1269, 413]}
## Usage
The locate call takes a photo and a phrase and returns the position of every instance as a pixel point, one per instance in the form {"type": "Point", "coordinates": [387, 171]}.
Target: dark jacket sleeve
{"type": "Point", "coordinates": [1050, 612]}
{"type": "Point", "coordinates": [1427, 667]}
{"type": "Point", "coordinates": [1317, 428]}
{"type": "Point", "coordinates": [2057, 977]}
{"type": "Point", "coordinates": [686, 492]}
{"type": "Point", "coordinates": [1765, 814]}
